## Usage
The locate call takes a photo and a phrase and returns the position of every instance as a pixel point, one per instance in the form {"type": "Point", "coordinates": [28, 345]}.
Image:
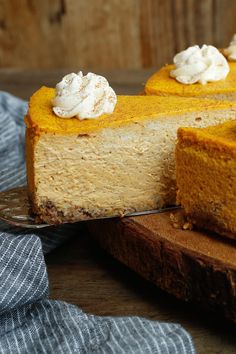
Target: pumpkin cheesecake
{"type": "Point", "coordinates": [186, 81]}
{"type": "Point", "coordinates": [118, 163]}
{"type": "Point", "coordinates": [206, 176]}
{"type": "Point", "coordinates": [230, 51]}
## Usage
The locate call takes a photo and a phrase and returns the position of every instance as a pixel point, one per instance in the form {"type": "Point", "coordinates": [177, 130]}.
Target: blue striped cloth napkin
{"type": "Point", "coordinates": [29, 321]}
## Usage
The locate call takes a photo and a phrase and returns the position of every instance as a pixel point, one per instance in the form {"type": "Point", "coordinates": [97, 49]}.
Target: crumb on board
{"type": "Point", "coordinates": [179, 221]}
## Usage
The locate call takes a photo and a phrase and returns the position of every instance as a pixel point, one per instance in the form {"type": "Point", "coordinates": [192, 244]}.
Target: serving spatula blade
{"type": "Point", "coordinates": [15, 210]}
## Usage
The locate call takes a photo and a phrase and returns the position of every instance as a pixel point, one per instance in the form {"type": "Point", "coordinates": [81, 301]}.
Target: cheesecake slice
{"type": "Point", "coordinates": [206, 176]}
{"type": "Point", "coordinates": [119, 163]}
{"type": "Point", "coordinates": [162, 84]}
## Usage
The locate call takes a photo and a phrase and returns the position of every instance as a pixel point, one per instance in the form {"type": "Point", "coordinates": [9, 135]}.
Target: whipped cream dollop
{"type": "Point", "coordinates": [195, 64]}
{"type": "Point", "coordinates": [230, 52]}
{"type": "Point", "coordinates": [83, 97]}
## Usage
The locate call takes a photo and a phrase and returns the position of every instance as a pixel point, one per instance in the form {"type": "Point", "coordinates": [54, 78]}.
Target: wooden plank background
{"type": "Point", "coordinates": [108, 34]}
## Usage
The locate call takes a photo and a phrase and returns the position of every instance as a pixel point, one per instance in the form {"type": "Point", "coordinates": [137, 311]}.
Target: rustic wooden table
{"type": "Point", "coordinates": [81, 273]}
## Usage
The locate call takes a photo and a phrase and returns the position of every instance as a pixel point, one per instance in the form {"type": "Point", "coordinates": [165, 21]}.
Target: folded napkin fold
{"type": "Point", "coordinates": [29, 322]}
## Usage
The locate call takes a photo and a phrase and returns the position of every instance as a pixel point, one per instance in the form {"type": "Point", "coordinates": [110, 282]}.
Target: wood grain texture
{"type": "Point", "coordinates": [194, 266]}
{"type": "Point", "coordinates": [82, 274]}
{"type": "Point", "coordinates": [108, 34]}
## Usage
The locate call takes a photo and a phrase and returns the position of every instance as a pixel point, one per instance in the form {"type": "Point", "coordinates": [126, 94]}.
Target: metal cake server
{"type": "Point", "coordinates": [15, 209]}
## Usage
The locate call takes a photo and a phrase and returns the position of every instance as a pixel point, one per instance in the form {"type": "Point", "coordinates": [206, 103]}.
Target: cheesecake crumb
{"type": "Point", "coordinates": [179, 221]}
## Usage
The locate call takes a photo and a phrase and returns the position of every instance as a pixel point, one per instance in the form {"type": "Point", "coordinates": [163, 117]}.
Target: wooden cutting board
{"type": "Point", "coordinates": [194, 266]}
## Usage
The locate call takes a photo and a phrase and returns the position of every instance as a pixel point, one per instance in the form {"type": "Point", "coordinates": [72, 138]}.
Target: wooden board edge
{"type": "Point", "coordinates": [188, 276]}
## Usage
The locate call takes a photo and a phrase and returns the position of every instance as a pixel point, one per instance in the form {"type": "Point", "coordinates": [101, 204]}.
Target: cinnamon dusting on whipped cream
{"type": "Point", "coordinates": [83, 96]}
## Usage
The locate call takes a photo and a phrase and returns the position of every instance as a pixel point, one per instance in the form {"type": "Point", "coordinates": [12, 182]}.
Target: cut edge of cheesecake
{"type": "Point", "coordinates": [206, 177]}
{"type": "Point", "coordinates": [111, 170]}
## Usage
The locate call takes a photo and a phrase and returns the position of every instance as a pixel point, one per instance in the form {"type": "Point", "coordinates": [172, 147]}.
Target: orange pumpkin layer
{"type": "Point", "coordinates": [206, 176]}
{"type": "Point", "coordinates": [128, 109]}
{"type": "Point", "coordinates": [160, 83]}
